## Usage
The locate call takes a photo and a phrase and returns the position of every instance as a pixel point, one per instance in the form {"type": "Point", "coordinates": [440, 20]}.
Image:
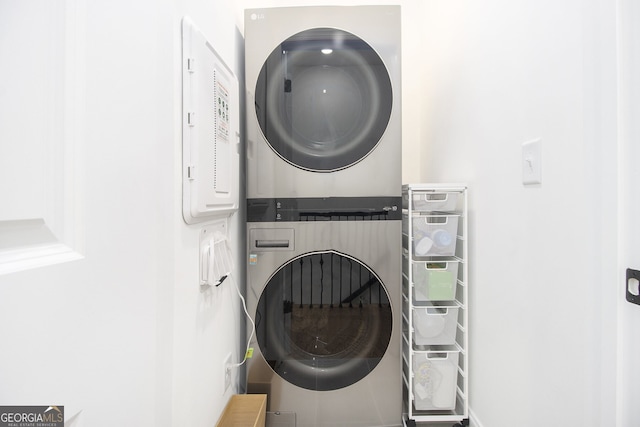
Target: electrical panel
{"type": "Point", "coordinates": [210, 130]}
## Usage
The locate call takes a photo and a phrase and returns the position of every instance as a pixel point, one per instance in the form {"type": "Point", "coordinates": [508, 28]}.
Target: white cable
{"type": "Point", "coordinates": [253, 326]}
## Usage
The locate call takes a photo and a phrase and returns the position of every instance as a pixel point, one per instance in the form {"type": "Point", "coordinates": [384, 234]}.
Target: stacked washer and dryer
{"type": "Point", "coordinates": [324, 213]}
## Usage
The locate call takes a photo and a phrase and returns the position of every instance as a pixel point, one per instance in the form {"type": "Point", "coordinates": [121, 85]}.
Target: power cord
{"type": "Point", "coordinates": [253, 325]}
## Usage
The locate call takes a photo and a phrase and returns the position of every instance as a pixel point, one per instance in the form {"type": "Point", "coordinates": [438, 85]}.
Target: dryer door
{"type": "Point", "coordinates": [323, 99]}
{"type": "Point", "coordinates": [323, 321]}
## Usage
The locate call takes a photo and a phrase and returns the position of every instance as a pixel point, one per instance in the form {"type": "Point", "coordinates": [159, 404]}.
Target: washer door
{"type": "Point", "coordinates": [323, 99]}
{"type": "Point", "coordinates": [323, 321]}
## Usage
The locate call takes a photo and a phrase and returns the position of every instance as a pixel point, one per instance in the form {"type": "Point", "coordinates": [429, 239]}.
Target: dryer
{"type": "Point", "coordinates": [324, 291]}
{"type": "Point", "coordinates": [323, 97]}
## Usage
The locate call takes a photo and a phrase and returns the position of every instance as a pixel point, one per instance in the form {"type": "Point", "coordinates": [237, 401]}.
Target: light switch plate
{"type": "Point", "coordinates": [532, 162]}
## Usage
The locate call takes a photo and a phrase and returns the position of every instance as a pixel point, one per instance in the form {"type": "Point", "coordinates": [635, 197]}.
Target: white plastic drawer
{"type": "Point", "coordinates": [435, 325]}
{"type": "Point", "coordinates": [434, 280]}
{"type": "Point", "coordinates": [434, 380]}
{"type": "Point", "coordinates": [429, 201]}
{"type": "Point", "coordinates": [433, 235]}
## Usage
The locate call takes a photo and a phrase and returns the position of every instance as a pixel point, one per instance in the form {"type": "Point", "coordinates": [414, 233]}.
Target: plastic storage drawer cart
{"type": "Point", "coordinates": [435, 357]}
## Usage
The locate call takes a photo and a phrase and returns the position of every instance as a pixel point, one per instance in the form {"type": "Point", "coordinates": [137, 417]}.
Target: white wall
{"type": "Point", "coordinates": [207, 325]}
{"type": "Point", "coordinates": [497, 74]}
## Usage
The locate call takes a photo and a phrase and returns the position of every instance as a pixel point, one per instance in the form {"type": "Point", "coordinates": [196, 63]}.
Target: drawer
{"type": "Point", "coordinates": [434, 280]}
{"type": "Point", "coordinates": [435, 325]}
{"type": "Point", "coordinates": [429, 201]}
{"type": "Point", "coordinates": [435, 380]}
{"type": "Point", "coordinates": [432, 235]}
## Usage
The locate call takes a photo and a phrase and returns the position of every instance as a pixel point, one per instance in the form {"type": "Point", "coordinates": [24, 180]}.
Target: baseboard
{"type": "Point", "coordinates": [473, 419]}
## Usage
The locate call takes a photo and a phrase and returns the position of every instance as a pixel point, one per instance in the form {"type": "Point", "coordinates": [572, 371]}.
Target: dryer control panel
{"type": "Point", "coordinates": [324, 209]}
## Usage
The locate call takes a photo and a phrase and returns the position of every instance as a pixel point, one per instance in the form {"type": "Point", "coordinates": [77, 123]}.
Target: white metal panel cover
{"type": "Point", "coordinates": [210, 113]}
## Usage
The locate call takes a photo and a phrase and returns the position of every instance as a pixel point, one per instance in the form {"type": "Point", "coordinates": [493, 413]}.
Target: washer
{"type": "Point", "coordinates": [324, 291]}
{"type": "Point", "coordinates": [323, 97]}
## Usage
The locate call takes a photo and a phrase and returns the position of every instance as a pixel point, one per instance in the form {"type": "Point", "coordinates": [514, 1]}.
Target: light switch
{"type": "Point", "coordinates": [532, 162]}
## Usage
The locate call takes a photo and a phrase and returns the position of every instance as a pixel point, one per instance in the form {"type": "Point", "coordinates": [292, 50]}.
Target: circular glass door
{"type": "Point", "coordinates": [323, 321]}
{"type": "Point", "coordinates": [323, 99]}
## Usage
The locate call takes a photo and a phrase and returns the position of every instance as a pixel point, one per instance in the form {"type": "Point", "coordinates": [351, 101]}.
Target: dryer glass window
{"type": "Point", "coordinates": [323, 321]}
{"type": "Point", "coordinates": [323, 99]}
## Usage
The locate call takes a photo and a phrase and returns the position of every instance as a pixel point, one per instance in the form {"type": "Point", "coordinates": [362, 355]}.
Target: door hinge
{"type": "Point", "coordinates": [632, 285]}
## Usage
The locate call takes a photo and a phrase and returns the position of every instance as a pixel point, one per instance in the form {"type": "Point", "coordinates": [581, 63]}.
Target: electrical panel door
{"type": "Point", "coordinates": [210, 130]}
